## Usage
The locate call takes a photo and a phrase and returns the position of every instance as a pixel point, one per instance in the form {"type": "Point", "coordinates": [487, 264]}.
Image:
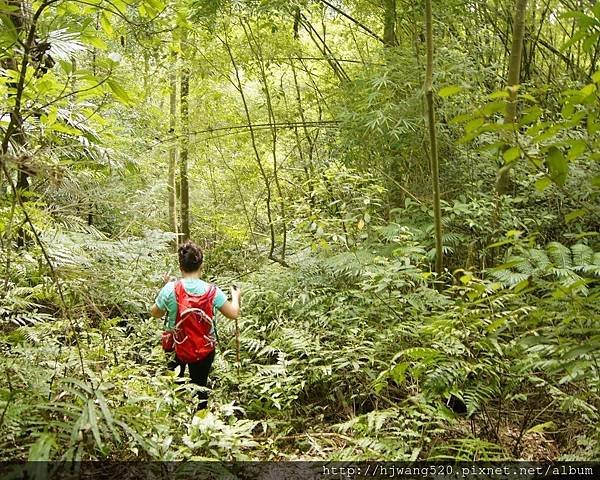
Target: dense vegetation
{"type": "Point", "coordinates": [294, 141]}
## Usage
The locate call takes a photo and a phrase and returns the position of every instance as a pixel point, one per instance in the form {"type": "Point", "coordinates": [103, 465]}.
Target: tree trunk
{"type": "Point", "coordinates": [185, 140]}
{"type": "Point", "coordinates": [14, 134]}
{"type": "Point", "coordinates": [437, 211]}
{"type": "Point", "coordinates": [173, 148]}
{"type": "Point", "coordinates": [261, 167]}
{"type": "Point", "coordinates": [389, 23]}
{"type": "Point", "coordinates": [272, 121]}
{"type": "Point", "coordinates": [513, 80]}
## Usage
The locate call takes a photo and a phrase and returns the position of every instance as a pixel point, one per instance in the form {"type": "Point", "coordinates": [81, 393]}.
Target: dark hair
{"type": "Point", "coordinates": [190, 257]}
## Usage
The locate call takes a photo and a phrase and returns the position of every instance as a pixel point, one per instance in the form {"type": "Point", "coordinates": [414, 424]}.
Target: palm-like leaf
{"type": "Point", "coordinates": [64, 45]}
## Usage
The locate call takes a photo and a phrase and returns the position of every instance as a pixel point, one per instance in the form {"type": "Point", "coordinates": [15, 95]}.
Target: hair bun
{"type": "Point", "coordinates": [190, 256]}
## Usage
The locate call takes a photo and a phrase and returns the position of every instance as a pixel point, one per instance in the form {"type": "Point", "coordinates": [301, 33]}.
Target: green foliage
{"type": "Point", "coordinates": [341, 206]}
{"type": "Point", "coordinates": [562, 270]}
{"type": "Point", "coordinates": [306, 141]}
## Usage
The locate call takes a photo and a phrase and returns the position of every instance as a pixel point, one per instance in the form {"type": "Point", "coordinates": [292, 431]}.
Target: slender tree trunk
{"type": "Point", "coordinates": [530, 62]}
{"type": "Point", "coordinates": [320, 43]}
{"type": "Point", "coordinates": [513, 80]}
{"type": "Point", "coordinates": [389, 23]}
{"type": "Point", "coordinates": [241, 195]}
{"type": "Point", "coordinates": [259, 56]}
{"type": "Point", "coordinates": [296, 23]}
{"type": "Point", "coordinates": [173, 149]}
{"type": "Point", "coordinates": [185, 140]}
{"type": "Point", "coordinates": [146, 73]}
{"type": "Point", "coordinates": [437, 211]}
{"type": "Point", "coordinates": [307, 164]}
{"type": "Point", "coordinates": [261, 167]}
{"type": "Point", "coordinates": [14, 135]}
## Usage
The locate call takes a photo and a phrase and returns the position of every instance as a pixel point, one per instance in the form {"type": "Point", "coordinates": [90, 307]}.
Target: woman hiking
{"type": "Point", "coordinates": [190, 303]}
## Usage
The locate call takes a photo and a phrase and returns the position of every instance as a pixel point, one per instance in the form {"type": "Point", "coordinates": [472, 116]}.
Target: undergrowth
{"type": "Point", "coordinates": [347, 355]}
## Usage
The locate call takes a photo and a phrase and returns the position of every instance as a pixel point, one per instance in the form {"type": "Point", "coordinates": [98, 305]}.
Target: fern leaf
{"type": "Point", "coordinates": [560, 255]}
{"type": "Point", "coordinates": [582, 254]}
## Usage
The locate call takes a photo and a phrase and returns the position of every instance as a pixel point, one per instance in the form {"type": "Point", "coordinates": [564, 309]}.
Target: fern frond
{"type": "Point", "coordinates": [582, 254]}
{"type": "Point", "coordinates": [539, 258]}
{"type": "Point", "coordinates": [560, 255]}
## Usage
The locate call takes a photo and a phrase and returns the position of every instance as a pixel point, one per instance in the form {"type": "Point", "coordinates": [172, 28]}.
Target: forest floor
{"type": "Point", "coordinates": [334, 364]}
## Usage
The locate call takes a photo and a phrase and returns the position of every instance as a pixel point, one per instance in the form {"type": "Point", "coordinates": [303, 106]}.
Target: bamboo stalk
{"type": "Point", "coordinates": [434, 161]}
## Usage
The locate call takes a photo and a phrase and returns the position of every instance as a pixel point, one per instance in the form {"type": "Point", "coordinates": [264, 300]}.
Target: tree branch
{"type": "Point", "coordinates": [353, 20]}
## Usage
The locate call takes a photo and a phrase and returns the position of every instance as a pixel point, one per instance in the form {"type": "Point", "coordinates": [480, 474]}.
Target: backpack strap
{"type": "Point", "coordinates": [178, 285]}
{"type": "Point", "coordinates": [211, 291]}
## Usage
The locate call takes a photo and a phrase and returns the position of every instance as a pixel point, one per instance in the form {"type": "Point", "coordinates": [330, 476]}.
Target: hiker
{"type": "Point", "coordinates": [194, 338]}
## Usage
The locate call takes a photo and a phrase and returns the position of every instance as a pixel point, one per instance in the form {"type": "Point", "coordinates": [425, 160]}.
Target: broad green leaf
{"type": "Point", "coordinates": [491, 147]}
{"type": "Point", "coordinates": [527, 96]}
{"type": "Point", "coordinates": [474, 125]}
{"type": "Point", "coordinates": [499, 94]}
{"type": "Point", "coordinates": [466, 138]}
{"type": "Point", "coordinates": [95, 42]}
{"type": "Point", "coordinates": [542, 183]}
{"type": "Point", "coordinates": [596, 75]}
{"type": "Point", "coordinates": [549, 133]}
{"type": "Point", "coordinates": [497, 127]}
{"type": "Point", "coordinates": [567, 110]}
{"type": "Point", "coordinates": [119, 92]}
{"type": "Point", "coordinates": [585, 21]}
{"type": "Point", "coordinates": [66, 67]}
{"type": "Point", "coordinates": [52, 114]}
{"type": "Point", "coordinates": [106, 25]}
{"type": "Point", "coordinates": [558, 166]}
{"type": "Point", "coordinates": [449, 91]}
{"type": "Point", "coordinates": [569, 217]}
{"type": "Point", "coordinates": [577, 36]}
{"type": "Point", "coordinates": [156, 4]}
{"type": "Point", "coordinates": [461, 118]}
{"type": "Point", "coordinates": [62, 128]}
{"type": "Point", "coordinates": [577, 148]}
{"type": "Point", "coordinates": [531, 115]}
{"type": "Point", "coordinates": [120, 5]}
{"type": "Point", "coordinates": [8, 25]}
{"type": "Point", "coordinates": [522, 285]}
{"type": "Point", "coordinates": [11, 74]}
{"type": "Point", "coordinates": [493, 107]}
{"type": "Point", "coordinates": [511, 154]}
{"type": "Point", "coordinates": [424, 353]}
{"type": "Point", "coordinates": [576, 119]}
{"type": "Point", "coordinates": [590, 42]}
{"type": "Point", "coordinates": [587, 90]}
{"type": "Point", "coordinates": [592, 124]}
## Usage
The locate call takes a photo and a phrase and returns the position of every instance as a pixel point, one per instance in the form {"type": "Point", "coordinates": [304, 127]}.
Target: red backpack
{"type": "Point", "coordinates": [193, 336]}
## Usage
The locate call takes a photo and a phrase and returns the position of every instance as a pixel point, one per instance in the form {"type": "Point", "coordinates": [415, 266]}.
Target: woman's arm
{"type": "Point", "coordinates": [157, 312]}
{"type": "Point", "coordinates": [232, 309]}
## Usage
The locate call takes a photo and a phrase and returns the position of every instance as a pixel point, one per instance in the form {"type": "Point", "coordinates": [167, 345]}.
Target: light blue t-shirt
{"type": "Point", "coordinates": [165, 299]}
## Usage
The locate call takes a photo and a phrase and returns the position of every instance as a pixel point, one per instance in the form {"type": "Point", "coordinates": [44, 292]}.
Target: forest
{"type": "Point", "coordinates": [405, 193]}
